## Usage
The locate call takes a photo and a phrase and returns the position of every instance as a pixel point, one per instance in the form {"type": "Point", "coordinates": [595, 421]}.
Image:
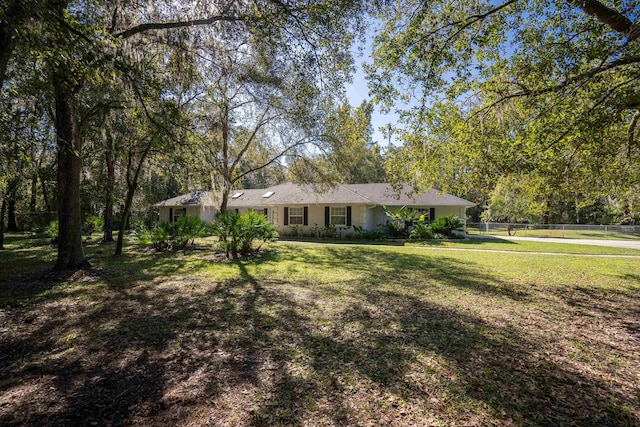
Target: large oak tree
{"type": "Point", "coordinates": [521, 86]}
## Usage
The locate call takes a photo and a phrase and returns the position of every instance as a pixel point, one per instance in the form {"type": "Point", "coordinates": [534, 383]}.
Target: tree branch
{"type": "Point", "coordinates": [273, 159]}
{"type": "Point", "coordinates": [102, 106]}
{"type": "Point", "coordinates": [562, 85]}
{"type": "Point", "coordinates": [610, 17]}
{"type": "Point", "coordinates": [466, 23]}
{"type": "Point", "coordinates": [175, 24]}
{"type": "Point", "coordinates": [255, 131]}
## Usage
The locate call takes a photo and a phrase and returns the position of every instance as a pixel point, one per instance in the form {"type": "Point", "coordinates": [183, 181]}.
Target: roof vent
{"type": "Point", "coordinates": [235, 196]}
{"type": "Point", "coordinates": [268, 194]}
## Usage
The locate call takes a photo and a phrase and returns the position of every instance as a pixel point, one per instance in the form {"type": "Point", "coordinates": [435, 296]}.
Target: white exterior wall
{"type": "Point", "coordinates": [163, 214]}
{"type": "Point", "coordinates": [193, 211]}
{"type": "Point", "coordinates": [316, 218]}
{"type": "Point", "coordinates": [206, 213]}
{"type": "Point", "coordinates": [363, 216]}
{"type": "Point", "coordinates": [379, 217]}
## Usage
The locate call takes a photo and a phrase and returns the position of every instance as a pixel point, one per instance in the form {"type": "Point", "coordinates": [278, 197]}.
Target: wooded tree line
{"type": "Point", "coordinates": [109, 107]}
{"type": "Point", "coordinates": [100, 99]}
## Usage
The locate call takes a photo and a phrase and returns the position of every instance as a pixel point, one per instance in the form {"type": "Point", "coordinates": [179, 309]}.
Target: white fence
{"type": "Point", "coordinates": [570, 231]}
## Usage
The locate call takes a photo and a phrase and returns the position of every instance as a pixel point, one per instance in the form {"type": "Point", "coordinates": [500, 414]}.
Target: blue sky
{"type": "Point", "coordinates": [358, 92]}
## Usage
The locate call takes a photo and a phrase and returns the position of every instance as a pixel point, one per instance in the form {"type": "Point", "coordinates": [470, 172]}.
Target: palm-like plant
{"type": "Point", "coordinates": [405, 216]}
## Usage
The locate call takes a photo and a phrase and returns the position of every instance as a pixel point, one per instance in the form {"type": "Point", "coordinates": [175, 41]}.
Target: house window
{"type": "Point", "coordinates": [296, 216]}
{"type": "Point", "coordinates": [338, 215]}
{"type": "Point", "coordinates": [177, 213]}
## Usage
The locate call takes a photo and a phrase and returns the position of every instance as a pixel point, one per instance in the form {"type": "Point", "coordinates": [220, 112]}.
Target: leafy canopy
{"type": "Point", "coordinates": [524, 86]}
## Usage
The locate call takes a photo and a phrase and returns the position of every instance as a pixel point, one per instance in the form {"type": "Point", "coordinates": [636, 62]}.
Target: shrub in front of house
{"type": "Point", "coordinates": [166, 236]}
{"type": "Point", "coordinates": [422, 230]}
{"type": "Point", "coordinates": [237, 233]}
{"type": "Point", "coordinates": [446, 225]}
{"type": "Point", "coordinates": [395, 230]}
{"type": "Point", "coordinates": [186, 229]}
{"type": "Point", "coordinates": [361, 233]}
{"type": "Point", "coordinates": [161, 236]}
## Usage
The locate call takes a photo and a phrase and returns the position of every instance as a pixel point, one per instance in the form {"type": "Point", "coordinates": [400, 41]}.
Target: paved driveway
{"type": "Point", "coordinates": [629, 244]}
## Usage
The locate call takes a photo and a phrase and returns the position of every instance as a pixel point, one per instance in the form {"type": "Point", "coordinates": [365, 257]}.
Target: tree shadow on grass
{"type": "Point", "coordinates": [37, 284]}
{"type": "Point", "coordinates": [476, 364]}
{"type": "Point", "coordinates": [385, 267]}
{"type": "Point", "coordinates": [470, 241]}
{"type": "Point", "coordinates": [282, 351]}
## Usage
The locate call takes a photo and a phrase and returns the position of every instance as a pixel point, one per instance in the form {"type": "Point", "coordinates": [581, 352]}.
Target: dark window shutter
{"type": "Point", "coordinates": [306, 216]}
{"type": "Point", "coordinates": [348, 216]}
{"type": "Point", "coordinates": [432, 214]}
{"type": "Point", "coordinates": [237, 210]}
{"type": "Point", "coordinates": [327, 216]}
{"type": "Point", "coordinates": [266, 212]}
{"type": "Point", "coordinates": [286, 216]}
{"type": "Point", "coordinates": [170, 214]}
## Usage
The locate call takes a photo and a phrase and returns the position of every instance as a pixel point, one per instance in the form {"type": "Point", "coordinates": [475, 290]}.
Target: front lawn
{"type": "Point", "coordinates": [493, 244]}
{"type": "Point", "coordinates": [320, 335]}
{"type": "Point", "coordinates": [558, 233]}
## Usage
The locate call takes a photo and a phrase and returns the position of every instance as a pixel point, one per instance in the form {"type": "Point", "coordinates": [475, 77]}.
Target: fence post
{"type": "Point", "coordinates": [563, 231]}
{"type": "Point", "coordinates": [486, 227]}
{"type": "Point", "coordinates": [605, 230]}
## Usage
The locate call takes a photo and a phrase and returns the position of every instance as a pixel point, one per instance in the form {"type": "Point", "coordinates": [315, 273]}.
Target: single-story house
{"type": "Point", "coordinates": [292, 206]}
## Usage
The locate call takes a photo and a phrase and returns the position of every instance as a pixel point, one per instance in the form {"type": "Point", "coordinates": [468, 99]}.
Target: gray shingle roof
{"type": "Point", "coordinates": [384, 194]}
{"type": "Point", "coordinates": [249, 198]}
{"type": "Point", "coordinates": [295, 194]}
{"type": "Point", "coordinates": [192, 199]}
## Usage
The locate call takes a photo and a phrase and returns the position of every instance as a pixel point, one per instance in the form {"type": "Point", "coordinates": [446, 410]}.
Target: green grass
{"type": "Point", "coordinates": [486, 244]}
{"type": "Point", "coordinates": [320, 335]}
{"type": "Point", "coordinates": [527, 246]}
{"type": "Point", "coordinates": [566, 234]}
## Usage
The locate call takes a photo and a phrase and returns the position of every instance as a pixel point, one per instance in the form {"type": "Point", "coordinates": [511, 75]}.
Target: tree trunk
{"type": "Point", "coordinates": [7, 44]}
{"type": "Point", "coordinates": [225, 171]}
{"type": "Point", "coordinates": [125, 218]}
{"type": "Point", "coordinates": [70, 250]}
{"type": "Point", "coordinates": [14, 13]}
{"type": "Point", "coordinates": [45, 193]}
{"type": "Point", "coordinates": [12, 224]}
{"type": "Point", "coordinates": [34, 190]}
{"type": "Point", "coordinates": [2, 210]}
{"type": "Point", "coordinates": [547, 211]}
{"type": "Point", "coordinates": [109, 186]}
{"type": "Point", "coordinates": [132, 185]}
{"type": "Point", "coordinates": [224, 199]}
